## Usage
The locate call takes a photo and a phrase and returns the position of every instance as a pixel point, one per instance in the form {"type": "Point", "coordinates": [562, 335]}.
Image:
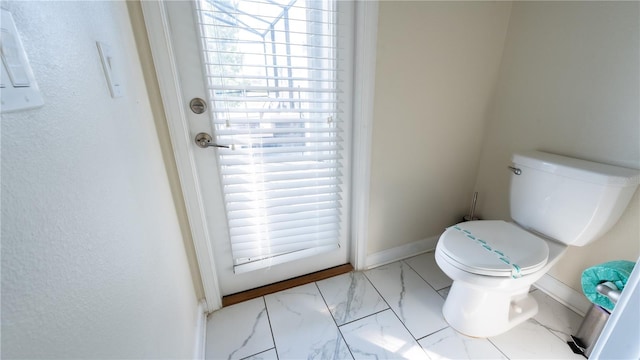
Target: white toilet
{"type": "Point", "coordinates": [556, 201]}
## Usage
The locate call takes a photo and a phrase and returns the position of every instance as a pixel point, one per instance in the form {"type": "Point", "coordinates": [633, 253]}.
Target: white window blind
{"type": "Point", "coordinates": [274, 83]}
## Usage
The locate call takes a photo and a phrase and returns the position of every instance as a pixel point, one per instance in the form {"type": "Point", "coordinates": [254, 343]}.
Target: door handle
{"type": "Point", "coordinates": [203, 140]}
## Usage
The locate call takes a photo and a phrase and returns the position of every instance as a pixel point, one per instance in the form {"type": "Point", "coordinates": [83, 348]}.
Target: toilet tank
{"type": "Point", "coordinates": [569, 200]}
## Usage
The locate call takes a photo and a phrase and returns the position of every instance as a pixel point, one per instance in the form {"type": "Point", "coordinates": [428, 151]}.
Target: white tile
{"type": "Point", "coordinates": [425, 265]}
{"type": "Point", "coordinates": [559, 319]}
{"type": "Point", "coordinates": [381, 336]}
{"type": "Point", "coordinates": [238, 331]}
{"type": "Point", "coordinates": [265, 355]}
{"type": "Point", "coordinates": [350, 297]}
{"type": "Point", "coordinates": [417, 305]}
{"type": "Point", "coordinates": [302, 325]}
{"type": "Point", "coordinates": [531, 340]}
{"type": "Point", "coordinates": [449, 344]}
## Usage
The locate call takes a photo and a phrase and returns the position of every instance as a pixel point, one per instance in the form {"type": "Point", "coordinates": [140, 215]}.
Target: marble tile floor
{"type": "Point", "coordinates": [389, 312]}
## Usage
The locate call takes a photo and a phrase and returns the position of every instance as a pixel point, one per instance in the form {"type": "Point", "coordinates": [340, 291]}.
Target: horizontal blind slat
{"type": "Point", "coordinates": [274, 90]}
{"type": "Point", "coordinates": [247, 253]}
{"type": "Point", "coordinates": [304, 159]}
{"type": "Point", "coordinates": [243, 142]}
{"type": "Point", "coordinates": [275, 184]}
{"type": "Point", "coordinates": [235, 130]}
{"type": "Point", "coordinates": [282, 150]}
{"type": "Point", "coordinates": [276, 204]}
{"type": "Point", "coordinates": [279, 66]}
{"type": "Point", "coordinates": [250, 121]}
{"type": "Point", "coordinates": [276, 168]}
{"type": "Point", "coordinates": [287, 4]}
{"type": "Point", "coordinates": [258, 42]}
{"type": "Point", "coordinates": [252, 99]}
{"type": "Point", "coordinates": [245, 265]}
{"type": "Point", "coordinates": [285, 198]}
{"type": "Point", "coordinates": [280, 78]}
{"type": "Point", "coordinates": [279, 190]}
{"type": "Point", "coordinates": [259, 29]}
{"type": "Point", "coordinates": [292, 224]}
{"type": "Point", "coordinates": [273, 55]}
{"type": "Point", "coordinates": [275, 220]}
{"type": "Point", "coordinates": [276, 111]}
{"type": "Point", "coordinates": [268, 177]}
{"type": "Point", "coordinates": [259, 213]}
{"type": "Point", "coordinates": [284, 244]}
{"type": "Point", "coordinates": [278, 236]}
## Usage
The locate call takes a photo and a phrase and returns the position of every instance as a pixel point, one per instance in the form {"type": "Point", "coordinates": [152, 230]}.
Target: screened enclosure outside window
{"type": "Point", "coordinates": [274, 81]}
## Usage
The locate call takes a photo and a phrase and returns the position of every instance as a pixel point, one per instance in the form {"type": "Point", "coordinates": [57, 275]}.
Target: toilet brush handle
{"type": "Point", "coordinates": [473, 205]}
{"type": "Point", "coordinates": [612, 294]}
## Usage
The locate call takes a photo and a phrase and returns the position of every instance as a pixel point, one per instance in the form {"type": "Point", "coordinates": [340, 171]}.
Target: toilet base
{"type": "Point", "coordinates": [477, 312]}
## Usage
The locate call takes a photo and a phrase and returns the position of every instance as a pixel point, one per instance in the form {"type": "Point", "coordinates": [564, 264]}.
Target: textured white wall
{"type": "Point", "coordinates": [93, 264]}
{"type": "Point", "coordinates": [437, 63]}
{"type": "Point", "coordinates": [157, 108]}
{"type": "Point", "coordinates": [569, 83]}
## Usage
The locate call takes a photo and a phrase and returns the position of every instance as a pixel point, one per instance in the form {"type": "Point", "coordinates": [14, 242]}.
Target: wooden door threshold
{"type": "Point", "coordinates": [285, 284]}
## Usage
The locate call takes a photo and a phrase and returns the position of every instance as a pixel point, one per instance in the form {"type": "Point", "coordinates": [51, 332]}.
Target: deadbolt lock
{"type": "Point", "coordinates": [198, 106]}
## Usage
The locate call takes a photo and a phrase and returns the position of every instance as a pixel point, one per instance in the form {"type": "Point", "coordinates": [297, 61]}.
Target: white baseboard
{"type": "Point", "coordinates": [201, 332]}
{"type": "Point", "coordinates": [564, 294]}
{"type": "Point", "coordinates": [401, 252]}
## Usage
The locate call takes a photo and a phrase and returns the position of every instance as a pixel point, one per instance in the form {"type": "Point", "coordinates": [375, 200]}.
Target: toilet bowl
{"type": "Point", "coordinates": [493, 265]}
{"type": "Point", "coordinates": [555, 202]}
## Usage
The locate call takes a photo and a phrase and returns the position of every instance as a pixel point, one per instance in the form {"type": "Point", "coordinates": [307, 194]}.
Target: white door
{"type": "Point", "coordinates": [619, 338]}
{"type": "Point", "coordinates": [236, 208]}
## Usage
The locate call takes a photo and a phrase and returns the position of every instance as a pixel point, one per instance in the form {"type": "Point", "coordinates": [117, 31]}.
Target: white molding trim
{"type": "Point", "coordinates": [201, 332]}
{"type": "Point", "coordinates": [156, 22]}
{"type": "Point", "coordinates": [401, 252]}
{"type": "Point", "coordinates": [366, 34]}
{"type": "Point", "coordinates": [564, 294]}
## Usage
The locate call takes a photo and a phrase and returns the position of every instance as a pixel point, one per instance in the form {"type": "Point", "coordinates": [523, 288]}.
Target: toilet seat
{"type": "Point", "coordinates": [493, 248]}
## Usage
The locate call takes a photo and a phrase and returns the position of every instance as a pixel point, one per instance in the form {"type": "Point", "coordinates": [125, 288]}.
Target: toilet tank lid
{"type": "Point", "coordinates": [579, 169]}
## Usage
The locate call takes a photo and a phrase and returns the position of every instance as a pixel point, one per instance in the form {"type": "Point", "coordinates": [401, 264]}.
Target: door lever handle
{"type": "Point", "coordinates": [203, 140]}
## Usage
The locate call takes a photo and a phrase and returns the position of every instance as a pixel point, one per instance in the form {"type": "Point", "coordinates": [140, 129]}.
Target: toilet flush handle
{"type": "Point", "coordinates": [515, 170]}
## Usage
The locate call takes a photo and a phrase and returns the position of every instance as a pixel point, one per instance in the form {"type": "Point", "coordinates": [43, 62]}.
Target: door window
{"type": "Point", "coordinates": [275, 72]}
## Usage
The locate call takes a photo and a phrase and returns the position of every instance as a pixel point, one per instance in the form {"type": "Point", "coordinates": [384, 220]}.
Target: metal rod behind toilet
{"type": "Point", "coordinates": [472, 210]}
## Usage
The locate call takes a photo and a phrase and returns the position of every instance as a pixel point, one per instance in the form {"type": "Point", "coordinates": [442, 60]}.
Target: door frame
{"type": "Point", "coordinates": [157, 25]}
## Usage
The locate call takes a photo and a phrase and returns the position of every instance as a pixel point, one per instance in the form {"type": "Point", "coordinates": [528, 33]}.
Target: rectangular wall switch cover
{"type": "Point", "coordinates": [18, 87]}
{"type": "Point", "coordinates": [110, 70]}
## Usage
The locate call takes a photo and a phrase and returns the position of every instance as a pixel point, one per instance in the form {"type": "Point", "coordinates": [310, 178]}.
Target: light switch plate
{"type": "Point", "coordinates": [18, 87]}
{"type": "Point", "coordinates": [110, 70]}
